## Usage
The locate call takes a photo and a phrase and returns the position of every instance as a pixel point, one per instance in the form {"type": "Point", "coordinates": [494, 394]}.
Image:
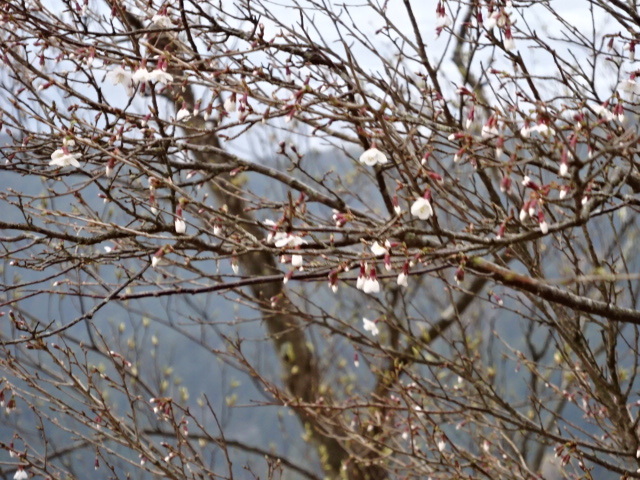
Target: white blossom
{"type": "Point", "coordinates": [628, 86]}
{"type": "Point", "coordinates": [378, 250]}
{"type": "Point", "coordinates": [523, 214]}
{"type": "Point", "coordinates": [443, 21]}
{"type": "Point", "coordinates": [563, 170]}
{"type": "Point", "coordinates": [604, 113]}
{"type": "Point", "coordinates": [160, 76]}
{"type": "Point", "coordinates": [230, 104]}
{"type": "Point", "coordinates": [282, 240]}
{"type": "Point", "coordinates": [20, 474]}
{"type": "Point", "coordinates": [370, 326]}
{"type": "Point", "coordinates": [371, 285]}
{"type": "Point", "coordinates": [60, 158]}
{"type": "Point", "coordinates": [509, 44]}
{"type": "Point", "coordinates": [489, 131]}
{"type": "Point", "coordinates": [403, 280]}
{"type": "Point", "coordinates": [119, 76]}
{"type": "Point", "coordinates": [492, 20]}
{"type": "Point", "coordinates": [541, 128]}
{"type": "Point", "coordinates": [141, 75]}
{"type": "Point", "coordinates": [372, 157]}
{"type": "Point", "coordinates": [180, 225]}
{"type": "Point", "coordinates": [296, 260]}
{"type": "Point", "coordinates": [422, 209]}
{"type": "Point", "coordinates": [182, 114]}
{"type": "Point", "coordinates": [544, 227]}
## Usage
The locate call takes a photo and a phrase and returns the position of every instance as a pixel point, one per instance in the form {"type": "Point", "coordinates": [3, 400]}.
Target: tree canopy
{"type": "Point", "coordinates": [379, 239]}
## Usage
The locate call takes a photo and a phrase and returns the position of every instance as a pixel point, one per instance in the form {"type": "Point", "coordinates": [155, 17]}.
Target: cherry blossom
{"type": "Point", "coordinates": [563, 170]}
{"type": "Point", "coordinates": [378, 250]}
{"type": "Point", "coordinates": [403, 277]}
{"type": "Point", "coordinates": [370, 326]}
{"type": "Point", "coordinates": [422, 208]}
{"type": "Point", "coordinates": [282, 240]}
{"type": "Point", "coordinates": [183, 113]}
{"type": "Point", "coordinates": [362, 276]}
{"type": "Point", "coordinates": [180, 225]}
{"type": "Point", "coordinates": [297, 261]}
{"type": "Point", "coordinates": [119, 76]}
{"type": "Point", "coordinates": [603, 112]}
{"type": "Point", "coordinates": [20, 474]}
{"type": "Point", "coordinates": [371, 284]}
{"type": "Point", "coordinates": [141, 75]}
{"type": "Point", "coordinates": [160, 76]}
{"type": "Point", "coordinates": [509, 43]}
{"type": "Point", "coordinates": [523, 212]}
{"type": "Point", "coordinates": [157, 257]}
{"type": "Point", "coordinates": [443, 20]}
{"type": "Point", "coordinates": [497, 17]}
{"type": "Point", "coordinates": [490, 128]}
{"type": "Point", "coordinates": [230, 104]}
{"type": "Point", "coordinates": [111, 163]}
{"type": "Point", "coordinates": [373, 157]}
{"type": "Point", "coordinates": [544, 226]}
{"type": "Point", "coordinates": [62, 158]}
{"type": "Point", "coordinates": [563, 192]}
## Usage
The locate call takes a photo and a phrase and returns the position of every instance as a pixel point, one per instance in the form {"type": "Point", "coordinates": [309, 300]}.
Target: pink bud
{"type": "Point", "coordinates": [505, 184]}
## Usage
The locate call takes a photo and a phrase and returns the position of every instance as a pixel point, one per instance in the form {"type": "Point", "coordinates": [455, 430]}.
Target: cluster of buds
{"type": "Point", "coordinates": [496, 18]}
{"type": "Point", "coordinates": [118, 356]}
{"type": "Point", "coordinates": [161, 406]}
{"type": "Point", "coordinates": [296, 100]}
{"type": "Point", "coordinates": [563, 452]}
{"type": "Point", "coordinates": [608, 115]}
{"type": "Point", "coordinates": [533, 208]}
{"type": "Point", "coordinates": [340, 218]}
